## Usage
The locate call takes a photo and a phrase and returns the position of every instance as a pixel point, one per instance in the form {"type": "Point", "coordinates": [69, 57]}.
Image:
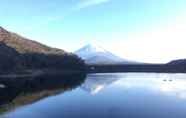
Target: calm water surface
{"type": "Point", "coordinates": [129, 95]}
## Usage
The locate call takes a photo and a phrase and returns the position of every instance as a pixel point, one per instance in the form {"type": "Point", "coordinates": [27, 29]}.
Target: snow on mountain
{"type": "Point", "coordinates": [89, 51]}
{"type": "Point", "coordinates": [93, 54]}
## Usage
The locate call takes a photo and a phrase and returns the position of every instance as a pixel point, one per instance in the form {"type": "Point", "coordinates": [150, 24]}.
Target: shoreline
{"type": "Point", "coordinates": [148, 68]}
{"type": "Point", "coordinates": [38, 72]}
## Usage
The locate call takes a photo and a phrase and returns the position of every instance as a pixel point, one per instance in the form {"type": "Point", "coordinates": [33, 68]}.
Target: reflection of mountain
{"type": "Point", "coordinates": [96, 82]}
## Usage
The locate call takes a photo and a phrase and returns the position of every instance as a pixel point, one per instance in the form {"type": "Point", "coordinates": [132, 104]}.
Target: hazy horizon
{"type": "Point", "coordinates": [142, 30]}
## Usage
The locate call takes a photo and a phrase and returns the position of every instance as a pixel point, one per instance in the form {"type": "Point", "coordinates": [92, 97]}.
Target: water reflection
{"type": "Point", "coordinates": [97, 82]}
{"type": "Point", "coordinates": [36, 89]}
{"type": "Point", "coordinates": [168, 84]}
{"type": "Point", "coordinates": [130, 95]}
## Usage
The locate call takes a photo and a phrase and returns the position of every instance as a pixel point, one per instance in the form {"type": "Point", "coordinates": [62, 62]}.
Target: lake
{"type": "Point", "coordinates": [121, 95]}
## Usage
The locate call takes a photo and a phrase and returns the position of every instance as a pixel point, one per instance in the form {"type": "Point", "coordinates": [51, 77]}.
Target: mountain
{"type": "Point", "coordinates": [178, 62]}
{"type": "Point", "coordinates": [24, 45]}
{"type": "Point", "coordinates": [93, 54]}
{"type": "Point", "coordinates": [19, 53]}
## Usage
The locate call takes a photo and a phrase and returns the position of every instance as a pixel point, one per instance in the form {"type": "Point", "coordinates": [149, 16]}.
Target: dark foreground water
{"type": "Point", "coordinates": [129, 95]}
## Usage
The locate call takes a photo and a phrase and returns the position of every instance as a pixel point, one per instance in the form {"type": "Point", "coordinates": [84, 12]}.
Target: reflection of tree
{"type": "Point", "coordinates": [35, 89]}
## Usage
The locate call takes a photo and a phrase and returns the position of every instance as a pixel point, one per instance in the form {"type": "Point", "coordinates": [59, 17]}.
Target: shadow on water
{"type": "Point", "coordinates": [22, 91]}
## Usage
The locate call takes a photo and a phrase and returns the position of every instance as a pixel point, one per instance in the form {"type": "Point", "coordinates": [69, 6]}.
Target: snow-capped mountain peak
{"type": "Point", "coordinates": [89, 51]}
{"type": "Point", "coordinates": [94, 54]}
{"type": "Point", "coordinates": [91, 48]}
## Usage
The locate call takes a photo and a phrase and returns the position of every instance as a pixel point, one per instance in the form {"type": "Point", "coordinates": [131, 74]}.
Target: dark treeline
{"type": "Point", "coordinates": [159, 68]}
{"type": "Point", "coordinates": [11, 60]}
{"type": "Point", "coordinates": [38, 60]}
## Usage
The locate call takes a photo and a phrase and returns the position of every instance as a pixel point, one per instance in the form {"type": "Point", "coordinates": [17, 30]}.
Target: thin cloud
{"type": "Point", "coordinates": [75, 7]}
{"type": "Point", "coordinates": [89, 3]}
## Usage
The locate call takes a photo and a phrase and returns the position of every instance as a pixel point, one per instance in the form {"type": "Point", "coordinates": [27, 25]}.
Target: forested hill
{"type": "Point", "coordinates": [18, 53]}
{"type": "Point", "coordinates": [179, 62]}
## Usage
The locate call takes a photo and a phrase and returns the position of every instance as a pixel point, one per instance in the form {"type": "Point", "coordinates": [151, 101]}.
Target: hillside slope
{"type": "Point", "coordinates": [18, 53]}
{"type": "Point", "coordinates": [24, 45]}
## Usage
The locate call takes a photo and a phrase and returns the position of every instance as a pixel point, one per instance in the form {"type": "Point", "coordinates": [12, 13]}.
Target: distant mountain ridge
{"type": "Point", "coordinates": [178, 62]}
{"type": "Point", "coordinates": [93, 54]}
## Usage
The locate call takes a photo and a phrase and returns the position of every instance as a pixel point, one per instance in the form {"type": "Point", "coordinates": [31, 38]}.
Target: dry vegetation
{"type": "Point", "coordinates": [18, 53]}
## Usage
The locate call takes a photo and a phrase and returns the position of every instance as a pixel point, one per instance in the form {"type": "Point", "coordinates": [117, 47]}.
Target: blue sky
{"type": "Point", "coordinates": [143, 30]}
